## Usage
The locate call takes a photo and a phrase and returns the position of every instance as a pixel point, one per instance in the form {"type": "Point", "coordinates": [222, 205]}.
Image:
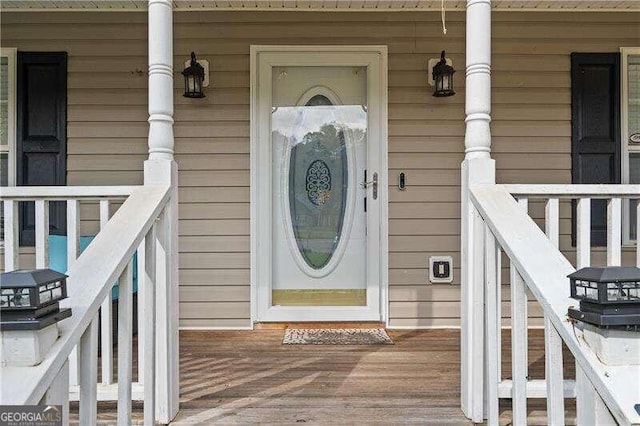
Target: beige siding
{"type": "Point", "coordinates": [107, 130]}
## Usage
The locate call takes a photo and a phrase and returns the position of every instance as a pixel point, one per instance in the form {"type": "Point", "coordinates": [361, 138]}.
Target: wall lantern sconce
{"type": "Point", "coordinates": [196, 76]}
{"type": "Point", "coordinates": [609, 296]}
{"type": "Point", "coordinates": [29, 299]}
{"type": "Point", "coordinates": [441, 76]}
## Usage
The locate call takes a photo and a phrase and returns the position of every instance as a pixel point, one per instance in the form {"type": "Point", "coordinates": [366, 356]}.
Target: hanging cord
{"type": "Point", "coordinates": [444, 26]}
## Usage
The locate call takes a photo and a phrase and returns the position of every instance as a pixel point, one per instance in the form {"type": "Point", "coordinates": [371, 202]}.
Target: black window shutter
{"type": "Point", "coordinates": [595, 130]}
{"type": "Point", "coordinates": [41, 151]}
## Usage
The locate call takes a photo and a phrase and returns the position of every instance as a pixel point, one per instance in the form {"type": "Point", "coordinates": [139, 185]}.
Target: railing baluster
{"type": "Point", "coordinates": [11, 236]}
{"type": "Point", "coordinates": [148, 281]}
{"type": "Point", "coordinates": [73, 249]}
{"type": "Point", "coordinates": [42, 234]}
{"type": "Point", "coordinates": [524, 203]}
{"type": "Point", "coordinates": [58, 392]}
{"type": "Point", "coordinates": [519, 341]}
{"type": "Point", "coordinates": [141, 311]}
{"type": "Point", "coordinates": [583, 231]}
{"type": "Point", "coordinates": [73, 231]}
{"type": "Point", "coordinates": [552, 340]}
{"type": "Point", "coordinates": [106, 316]}
{"type": "Point", "coordinates": [74, 367]}
{"type": "Point", "coordinates": [89, 375]}
{"type": "Point", "coordinates": [125, 325]}
{"type": "Point", "coordinates": [477, 333]}
{"type": "Point", "coordinates": [590, 408]}
{"type": "Point", "coordinates": [499, 309]}
{"type": "Point", "coordinates": [554, 374]}
{"type": "Point", "coordinates": [492, 320]}
{"type": "Point", "coordinates": [552, 221]}
{"type": "Point", "coordinates": [585, 393]}
{"type": "Point", "coordinates": [166, 345]}
{"type": "Point", "coordinates": [614, 232]}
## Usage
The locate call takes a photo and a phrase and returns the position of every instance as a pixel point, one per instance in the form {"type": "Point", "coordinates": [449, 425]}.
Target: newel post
{"type": "Point", "coordinates": [477, 168]}
{"type": "Point", "coordinates": [28, 348]}
{"type": "Point", "coordinates": [161, 169]}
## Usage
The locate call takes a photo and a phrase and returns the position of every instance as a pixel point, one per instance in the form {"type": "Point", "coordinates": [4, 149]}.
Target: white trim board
{"type": "Point", "coordinates": [214, 328]}
{"type": "Point", "coordinates": [265, 58]}
{"type": "Point", "coordinates": [625, 52]}
{"type": "Point", "coordinates": [322, 5]}
{"type": "Point", "coordinates": [11, 54]}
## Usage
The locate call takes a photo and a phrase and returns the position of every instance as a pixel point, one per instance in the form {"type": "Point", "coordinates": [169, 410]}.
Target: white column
{"type": "Point", "coordinates": [477, 168]}
{"type": "Point", "coordinates": [160, 80]}
{"type": "Point", "coordinates": [161, 169]}
{"type": "Point", "coordinates": [477, 138]}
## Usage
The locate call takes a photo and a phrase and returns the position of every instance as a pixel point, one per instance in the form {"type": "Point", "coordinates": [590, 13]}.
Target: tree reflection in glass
{"type": "Point", "coordinates": [321, 137]}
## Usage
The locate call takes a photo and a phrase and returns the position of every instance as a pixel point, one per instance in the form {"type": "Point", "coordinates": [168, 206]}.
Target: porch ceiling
{"type": "Point", "coordinates": [341, 5]}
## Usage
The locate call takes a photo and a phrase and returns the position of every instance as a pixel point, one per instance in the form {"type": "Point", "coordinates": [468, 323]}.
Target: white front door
{"type": "Point", "coordinates": [319, 195]}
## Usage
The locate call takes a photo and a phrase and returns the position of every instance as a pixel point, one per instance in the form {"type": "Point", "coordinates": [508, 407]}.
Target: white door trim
{"type": "Point", "coordinates": [375, 59]}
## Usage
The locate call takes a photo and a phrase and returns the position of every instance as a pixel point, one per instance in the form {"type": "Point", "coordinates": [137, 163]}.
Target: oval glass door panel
{"type": "Point", "coordinates": [318, 186]}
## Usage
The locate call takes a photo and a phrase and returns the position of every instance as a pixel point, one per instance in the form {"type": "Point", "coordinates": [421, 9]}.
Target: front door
{"type": "Point", "coordinates": [318, 190]}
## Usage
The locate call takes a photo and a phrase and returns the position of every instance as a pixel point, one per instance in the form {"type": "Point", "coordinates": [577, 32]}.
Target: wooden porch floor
{"type": "Point", "coordinates": [252, 378]}
{"type": "Point", "coordinates": [249, 377]}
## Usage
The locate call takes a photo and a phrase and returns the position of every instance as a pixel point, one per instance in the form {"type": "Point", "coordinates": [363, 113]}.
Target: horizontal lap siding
{"type": "Point", "coordinates": [531, 130]}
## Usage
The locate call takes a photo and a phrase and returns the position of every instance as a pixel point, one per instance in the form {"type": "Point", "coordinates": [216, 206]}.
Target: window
{"type": "Point", "coordinates": [7, 116]}
{"type": "Point", "coordinates": [630, 88]}
{"type": "Point", "coordinates": [7, 122]}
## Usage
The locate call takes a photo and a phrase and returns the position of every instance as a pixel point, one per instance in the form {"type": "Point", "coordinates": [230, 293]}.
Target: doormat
{"type": "Point", "coordinates": [336, 336]}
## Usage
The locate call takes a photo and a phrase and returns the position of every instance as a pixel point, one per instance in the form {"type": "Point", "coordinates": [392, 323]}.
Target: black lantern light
{"type": "Point", "coordinates": [609, 296]}
{"type": "Point", "coordinates": [193, 79]}
{"type": "Point", "coordinates": [443, 78]}
{"type": "Point", "coordinates": [29, 299]}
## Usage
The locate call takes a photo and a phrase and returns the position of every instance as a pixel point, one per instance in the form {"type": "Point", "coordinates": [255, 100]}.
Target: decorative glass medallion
{"type": "Point", "coordinates": [318, 182]}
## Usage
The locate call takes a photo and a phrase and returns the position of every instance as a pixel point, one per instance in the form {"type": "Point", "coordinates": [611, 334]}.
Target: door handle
{"type": "Point", "coordinates": [373, 183]}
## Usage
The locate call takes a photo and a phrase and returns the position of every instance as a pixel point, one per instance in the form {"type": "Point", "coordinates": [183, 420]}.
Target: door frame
{"type": "Point", "coordinates": [265, 58]}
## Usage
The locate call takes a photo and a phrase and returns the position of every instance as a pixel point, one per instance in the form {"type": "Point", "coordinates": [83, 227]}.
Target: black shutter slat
{"type": "Point", "coordinates": [41, 151]}
{"type": "Point", "coordinates": [595, 130]}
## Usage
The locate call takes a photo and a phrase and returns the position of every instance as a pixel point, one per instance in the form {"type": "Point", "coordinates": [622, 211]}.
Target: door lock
{"type": "Point", "coordinates": [373, 183]}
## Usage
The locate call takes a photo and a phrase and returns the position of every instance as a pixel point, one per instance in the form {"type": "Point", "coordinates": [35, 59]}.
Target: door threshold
{"type": "Point", "coordinates": [318, 324]}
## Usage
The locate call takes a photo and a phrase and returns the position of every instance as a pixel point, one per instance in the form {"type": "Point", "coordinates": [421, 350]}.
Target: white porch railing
{"type": "Point", "coordinates": [141, 224]}
{"type": "Point", "coordinates": [604, 394]}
